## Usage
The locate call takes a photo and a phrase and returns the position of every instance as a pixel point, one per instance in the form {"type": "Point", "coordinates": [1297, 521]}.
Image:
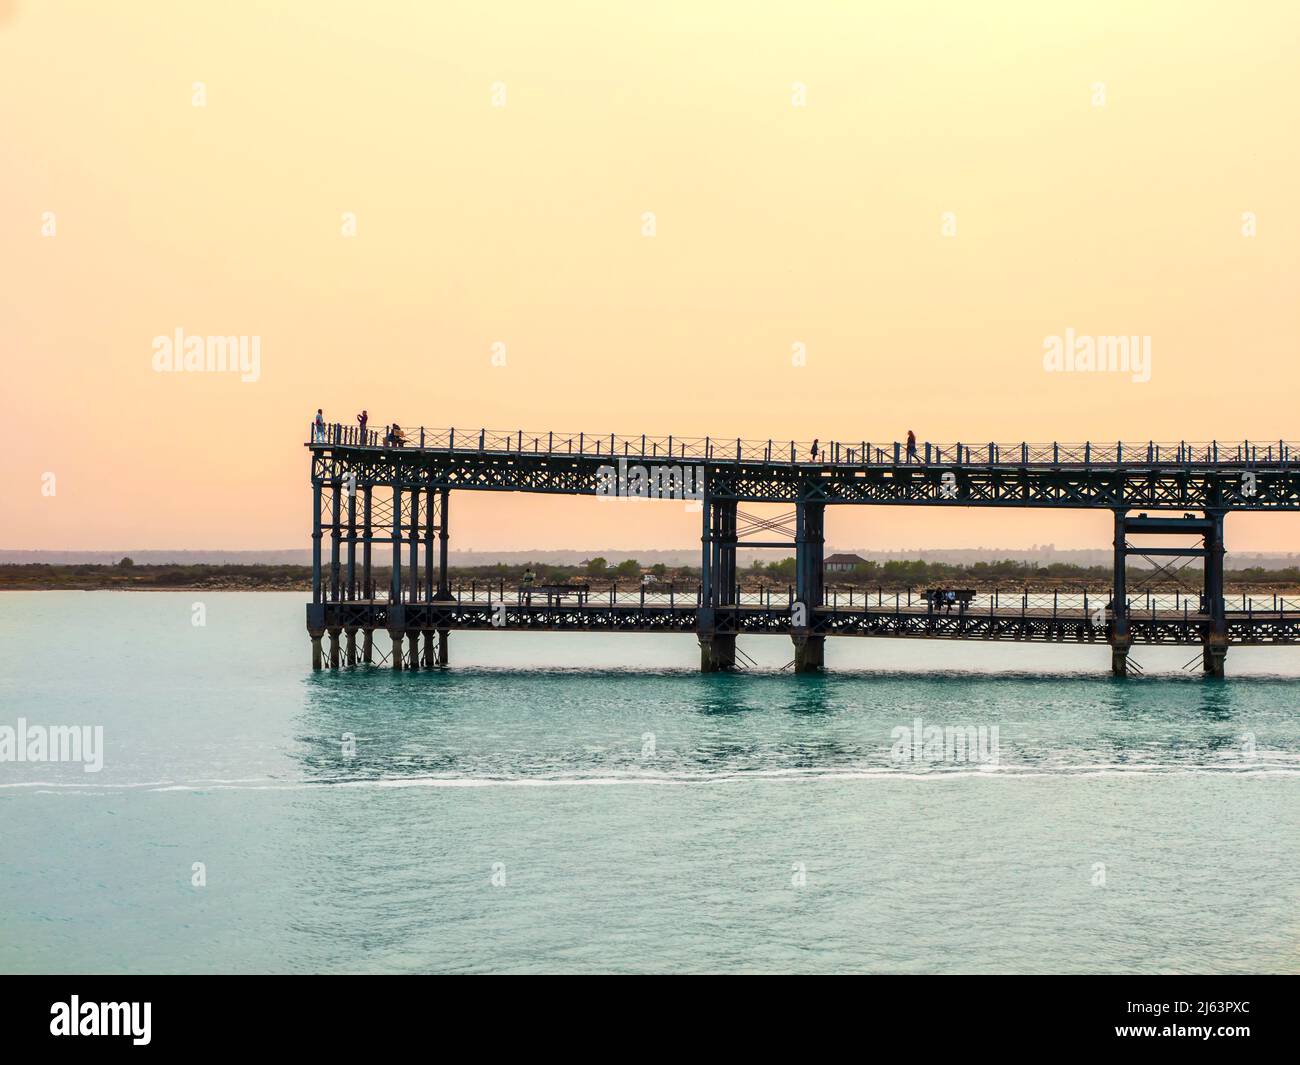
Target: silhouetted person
{"type": "Point", "coordinates": [911, 447]}
{"type": "Point", "coordinates": [813, 450]}
{"type": "Point", "coordinates": [319, 426]}
{"type": "Point", "coordinates": [362, 418]}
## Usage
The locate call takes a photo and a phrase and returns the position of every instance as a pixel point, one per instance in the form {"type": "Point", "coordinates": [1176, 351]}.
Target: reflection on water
{"type": "Point", "coordinates": [486, 725]}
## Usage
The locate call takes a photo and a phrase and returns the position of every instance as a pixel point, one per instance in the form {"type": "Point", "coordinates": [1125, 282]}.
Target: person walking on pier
{"type": "Point", "coordinates": [813, 450]}
{"type": "Point", "coordinates": [529, 578]}
{"type": "Point", "coordinates": [319, 426]}
{"type": "Point", "coordinates": [362, 418]}
{"type": "Point", "coordinates": [911, 447]}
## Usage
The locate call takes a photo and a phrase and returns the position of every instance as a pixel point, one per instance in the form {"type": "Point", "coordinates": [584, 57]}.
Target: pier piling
{"type": "Point", "coordinates": [1120, 640]}
{"type": "Point", "coordinates": [717, 652]}
{"type": "Point", "coordinates": [810, 539]}
{"type": "Point", "coordinates": [1216, 635]}
{"type": "Point", "coordinates": [809, 653]}
{"type": "Point", "coordinates": [719, 594]}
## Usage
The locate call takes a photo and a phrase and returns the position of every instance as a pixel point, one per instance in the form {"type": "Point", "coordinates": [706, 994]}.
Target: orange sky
{"type": "Point", "coordinates": [776, 224]}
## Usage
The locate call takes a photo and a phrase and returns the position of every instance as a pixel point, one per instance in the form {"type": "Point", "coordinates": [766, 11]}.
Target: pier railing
{"type": "Point", "coordinates": [861, 453]}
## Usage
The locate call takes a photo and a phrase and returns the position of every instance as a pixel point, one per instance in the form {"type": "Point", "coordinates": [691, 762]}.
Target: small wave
{"type": "Point", "coordinates": [683, 779]}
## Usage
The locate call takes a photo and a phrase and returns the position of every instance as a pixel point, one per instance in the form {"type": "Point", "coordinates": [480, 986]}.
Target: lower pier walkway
{"type": "Point", "coordinates": [417, 633]}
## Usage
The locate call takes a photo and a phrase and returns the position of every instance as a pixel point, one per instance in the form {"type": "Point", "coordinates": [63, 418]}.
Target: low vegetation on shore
{"type": "Point", "coordinates": [889, 576]}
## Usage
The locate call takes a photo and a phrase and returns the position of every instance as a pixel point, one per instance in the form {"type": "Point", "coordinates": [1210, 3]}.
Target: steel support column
{"type": "Point", "coordinates": [444, 580]}
{"type": "Point", "coordinates": [352, 540]}
{"type": "Point", "coordinates": [725, 591]}
{"type": "Point", "coordinates": [719, 599]}
{"type": "Point", "coordinates": [809, 547]}
{"type": "Point", "coordinates": [367, 578]}
{"type": "Point", "coordinates": [316, 591]}
{"type": "Point", "coordinates": [316, 612]}
{"type": "Point", "coordinates": [706, 560]}
{"type": "Point", "coordinates": [1120, 637]}
{"type": "Point", "coordinates": [413, 573]}
{"type": "Point", "coordinates": [1216, 634]}
{"type": "Point", "coordinates": [809, 653]}
{"type": "Point", "coordinates": [717, 652]}
{"type": "Point", "coordinates": [428, 547]}
{"type": "Point", "coordinates": [395, 578]}
{"type": "Point", "coordinates": [444, 585]}
{"type": "Point", "coordinates": [336, 538]}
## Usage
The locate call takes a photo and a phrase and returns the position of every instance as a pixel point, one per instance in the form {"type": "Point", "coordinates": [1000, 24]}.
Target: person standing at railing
{"type": "Point", "coordinates": [362, 418]}
{"type": "Point", "coordinates": [318, 426]}
{"type": "Point", "coordinates": [911, 447]}
{"type": "Point", "coordinates": [813, 450]}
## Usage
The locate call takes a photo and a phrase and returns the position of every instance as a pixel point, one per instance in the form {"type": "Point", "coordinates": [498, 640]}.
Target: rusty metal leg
{"type": "Point", "coordinates": [717, 652]}
{"type": "Point", "coordinates": [809, 654]}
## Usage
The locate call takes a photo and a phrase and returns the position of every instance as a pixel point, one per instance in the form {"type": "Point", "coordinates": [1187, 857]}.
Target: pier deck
{"type": "Point", "coordinates": [396, 498]}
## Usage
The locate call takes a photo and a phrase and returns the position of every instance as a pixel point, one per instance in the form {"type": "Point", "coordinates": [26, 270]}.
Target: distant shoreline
{"type": "Point", "coordinates": [893, 576]}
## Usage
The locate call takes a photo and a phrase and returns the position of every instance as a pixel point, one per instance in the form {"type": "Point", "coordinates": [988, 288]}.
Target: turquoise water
{"type": "Point", "coordinates": [635, 815]}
